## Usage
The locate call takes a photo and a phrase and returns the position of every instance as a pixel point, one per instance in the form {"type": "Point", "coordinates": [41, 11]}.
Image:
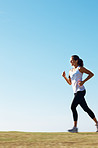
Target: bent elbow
{"type": "Point", "coordinates": [92, 74]}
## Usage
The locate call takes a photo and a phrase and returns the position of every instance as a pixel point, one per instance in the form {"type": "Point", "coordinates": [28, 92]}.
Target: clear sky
{"type": "Point", "coordinates": [37, 39]}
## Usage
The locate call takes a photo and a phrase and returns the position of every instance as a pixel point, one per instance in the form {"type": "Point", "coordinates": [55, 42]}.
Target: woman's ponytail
{"type": "Point", "coordinates": [80, 62]}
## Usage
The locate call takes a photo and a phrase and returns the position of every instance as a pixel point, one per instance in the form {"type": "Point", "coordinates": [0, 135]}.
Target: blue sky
{"type": "Point", "coordinates": [37, 39]}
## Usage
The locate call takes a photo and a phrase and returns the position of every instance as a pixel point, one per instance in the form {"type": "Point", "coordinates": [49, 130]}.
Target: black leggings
{"type": "Point", "coordinates": [79, 99]}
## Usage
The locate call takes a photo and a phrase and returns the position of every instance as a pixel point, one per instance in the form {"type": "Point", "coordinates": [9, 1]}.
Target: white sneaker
{"type": "Point", "coordinates": [73, 130]}
{"type": "Point", "coordinates": [97, 126]}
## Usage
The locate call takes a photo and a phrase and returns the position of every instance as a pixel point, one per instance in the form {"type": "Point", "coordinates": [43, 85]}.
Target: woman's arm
{"type": "Point", "coordinates": [90, 75]}
{"type": "Point", "coordinates": [68, 80]}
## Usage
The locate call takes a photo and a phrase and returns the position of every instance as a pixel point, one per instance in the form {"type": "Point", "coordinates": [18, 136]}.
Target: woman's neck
{"type": "Point", "coordinates": [75, 66]}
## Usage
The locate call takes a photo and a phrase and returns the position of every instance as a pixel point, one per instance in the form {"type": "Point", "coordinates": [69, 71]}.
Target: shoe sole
{"type": "Point", "coordinates": [73, 132]}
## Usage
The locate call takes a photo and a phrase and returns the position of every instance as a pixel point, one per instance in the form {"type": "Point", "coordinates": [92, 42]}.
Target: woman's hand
{"type": "Point", "coordinates": [64, 74]}
{"type": "Point", "coordinates": [67, 80]}
{"type": "Point", "coordinates": [80, 83]}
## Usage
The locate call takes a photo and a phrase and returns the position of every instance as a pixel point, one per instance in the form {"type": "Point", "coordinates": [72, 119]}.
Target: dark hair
{"type": "Point", "coordinates": [80, 61]}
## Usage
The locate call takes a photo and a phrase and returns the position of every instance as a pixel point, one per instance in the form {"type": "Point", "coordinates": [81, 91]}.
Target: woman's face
{"type": "Point", "coordinates": [73, 62]}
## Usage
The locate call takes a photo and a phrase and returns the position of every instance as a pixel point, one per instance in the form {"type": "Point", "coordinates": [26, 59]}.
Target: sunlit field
{"type": "Point", "coordinates": [50, 140]}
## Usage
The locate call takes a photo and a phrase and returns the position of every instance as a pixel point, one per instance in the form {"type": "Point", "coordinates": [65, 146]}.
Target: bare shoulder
{"type": "Point", "coordinates": [70, 70]}
{"type": "Point", "coordinates": [81, 69]}
{"type": "Point", "coordinates": [84, 70]}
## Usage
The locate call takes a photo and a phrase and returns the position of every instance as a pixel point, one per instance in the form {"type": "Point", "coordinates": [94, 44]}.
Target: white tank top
{"type": "Point", "coordinates": [76, 76]}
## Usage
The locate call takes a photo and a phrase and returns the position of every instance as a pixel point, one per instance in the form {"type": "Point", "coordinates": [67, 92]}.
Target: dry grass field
{"type": "Point", "coordinates": [48, 140]}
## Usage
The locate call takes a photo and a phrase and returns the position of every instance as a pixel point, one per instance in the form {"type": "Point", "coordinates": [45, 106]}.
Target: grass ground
{"type": "Point", "coordinates": [48, 140]}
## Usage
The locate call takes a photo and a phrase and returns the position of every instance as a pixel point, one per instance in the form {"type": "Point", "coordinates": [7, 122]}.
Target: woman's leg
{"type": "Point", "coordinates": [95, 120]}
{"type": "Point", "coordinates": [89, 111]}
{"type": "Point", "coordinates": [75, 123]}
{"type": "Point", "coordinates": [85, 107]}
{"type": "Point", "coordinates": [75, 115]}
{"type": "Point", "coordinates": [74, 111]}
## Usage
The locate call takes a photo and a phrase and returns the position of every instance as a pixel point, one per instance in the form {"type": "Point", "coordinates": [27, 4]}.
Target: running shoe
{"type": "Point", "coordinates": [73, 130]}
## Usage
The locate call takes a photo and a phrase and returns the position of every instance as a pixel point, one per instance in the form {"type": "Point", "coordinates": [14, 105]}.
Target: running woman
{"type": "Point", "coordinates": [75, 78]}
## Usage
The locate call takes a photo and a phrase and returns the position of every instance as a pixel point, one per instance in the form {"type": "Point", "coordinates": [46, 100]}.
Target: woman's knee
{"type": "Point", "coordinates": [86, 109]}
{"type": "Point", "coordinates": [90, 112]}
